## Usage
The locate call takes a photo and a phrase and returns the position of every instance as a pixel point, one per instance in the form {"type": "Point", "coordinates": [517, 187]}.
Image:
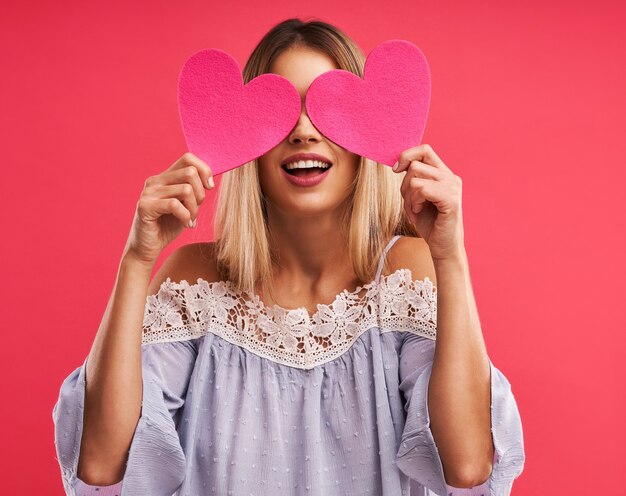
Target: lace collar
{"type": "Point", "coordinates": [182, 311]}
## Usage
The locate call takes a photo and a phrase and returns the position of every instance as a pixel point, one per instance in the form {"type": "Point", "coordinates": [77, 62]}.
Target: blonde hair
{"type": "Point", "coordinates": [374, 211]}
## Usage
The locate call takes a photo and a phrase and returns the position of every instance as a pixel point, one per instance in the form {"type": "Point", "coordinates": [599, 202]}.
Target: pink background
{"type": "Point", "coordinates": [528, 107]}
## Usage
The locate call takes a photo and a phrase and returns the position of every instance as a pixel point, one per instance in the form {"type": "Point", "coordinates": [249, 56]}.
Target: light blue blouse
{"type": "Point", "coordinates": [243, 399]}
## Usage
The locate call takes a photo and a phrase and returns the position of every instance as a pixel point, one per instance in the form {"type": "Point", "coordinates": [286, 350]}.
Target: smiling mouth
{"type": "Point", "coordinates": [307, 169]}
{"type": "Point", "coordinates": [313, 171]}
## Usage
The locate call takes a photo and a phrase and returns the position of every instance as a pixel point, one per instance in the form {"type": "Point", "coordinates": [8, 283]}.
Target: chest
{"type": "Point", "coordinates": [308, 297]}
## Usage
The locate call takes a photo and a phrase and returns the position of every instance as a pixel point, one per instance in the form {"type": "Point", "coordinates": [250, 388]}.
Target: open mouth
{"type": "Point", "coordinates": [307, 168]}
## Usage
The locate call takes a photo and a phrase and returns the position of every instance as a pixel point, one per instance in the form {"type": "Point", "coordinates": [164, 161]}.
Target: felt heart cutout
{"type": "Point", "coordinates": [381, 115]}
{"type": "Point", "coordinates": [225, 123]}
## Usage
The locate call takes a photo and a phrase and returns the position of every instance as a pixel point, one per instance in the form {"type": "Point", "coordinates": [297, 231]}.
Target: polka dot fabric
{"type": "Point", "coordinates": [221, 419]}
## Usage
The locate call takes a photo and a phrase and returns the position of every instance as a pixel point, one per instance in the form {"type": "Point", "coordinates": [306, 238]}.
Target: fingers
{"type": "Point", "coordinates": [185, 181]}
{"type": "Point", "coordinates": [417, 195]}
{"type": "Point", "coordinates": [414, 197]}
{"type": "Point", "coordinates": [162, 206]}
{"type": "Point", "coordinates": [420, 170]}
{"type": "Point", "coordinates": [184, 195]}
{"type": "Point", "coordinates": [422, 153]}
{"type": "Point", "coordinates": [188, 176]}
{"type": "Point", "coordinates": [204, 171]}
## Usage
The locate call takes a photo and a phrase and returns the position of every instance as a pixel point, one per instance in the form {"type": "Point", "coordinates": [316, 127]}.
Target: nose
{"type": "Point", "coordinates": [304, 130]}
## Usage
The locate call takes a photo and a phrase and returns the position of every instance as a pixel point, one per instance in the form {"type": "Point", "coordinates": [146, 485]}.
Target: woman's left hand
{"type": "Point", "coordinates": [432, 200]}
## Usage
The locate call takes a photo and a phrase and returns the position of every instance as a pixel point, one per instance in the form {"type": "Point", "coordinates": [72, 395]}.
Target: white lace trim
{"type": "Point", "coordinates": [183, 311]}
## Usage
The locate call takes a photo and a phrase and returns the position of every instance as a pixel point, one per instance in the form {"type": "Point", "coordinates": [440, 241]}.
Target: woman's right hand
{"type": "Point", "coordinates": [168, 202]}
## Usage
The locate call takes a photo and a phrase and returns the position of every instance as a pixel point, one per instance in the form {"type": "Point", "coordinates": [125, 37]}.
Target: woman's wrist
{"type": "Point", "coordinates": [131, 263]}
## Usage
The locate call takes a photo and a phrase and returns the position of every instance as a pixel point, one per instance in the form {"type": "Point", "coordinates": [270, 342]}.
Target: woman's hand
{"type": "Point", "coordinates": [168, 203]}
{"type": "Point", "coordinates": [432, 200]}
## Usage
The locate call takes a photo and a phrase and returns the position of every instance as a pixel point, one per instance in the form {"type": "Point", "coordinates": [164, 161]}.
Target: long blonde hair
{"type": "Point", "coordinates": [374, 210]}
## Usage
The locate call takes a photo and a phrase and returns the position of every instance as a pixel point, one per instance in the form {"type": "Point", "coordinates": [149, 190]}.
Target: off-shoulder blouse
{"type": "Point", "coordinates": [243, 399]}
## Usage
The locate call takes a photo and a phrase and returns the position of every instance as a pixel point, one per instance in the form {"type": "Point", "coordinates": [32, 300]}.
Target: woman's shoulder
{"type": "Point", "coordinates": [411, 253]}
{"type": "Point", "coordinates": [187, 263]}
{"type": "Point", "coordinates": [197, 260]}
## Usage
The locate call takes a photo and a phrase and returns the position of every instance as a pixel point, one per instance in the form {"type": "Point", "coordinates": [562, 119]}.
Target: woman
{"type": "Point", "coordinates": [296, 353]}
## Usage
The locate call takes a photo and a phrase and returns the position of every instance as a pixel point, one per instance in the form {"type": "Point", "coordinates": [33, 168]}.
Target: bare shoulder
{"type": "Point", "coordinates": [413, 254]}
{"type": "Point", "coordinates": [188, 262]}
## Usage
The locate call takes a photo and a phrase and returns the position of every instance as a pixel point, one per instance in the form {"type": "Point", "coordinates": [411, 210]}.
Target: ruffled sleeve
{"type": "Point", "coordinates": [418, 456]}
{"type": "Point", "coordinates": [156, 462]}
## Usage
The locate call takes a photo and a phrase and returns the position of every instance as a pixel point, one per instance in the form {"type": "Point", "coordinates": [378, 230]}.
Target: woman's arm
{"type": "Point", "coordinates": [114, 379]}
{"type": "Point", "coordinates": [459, 390]}
{"type": "Point", "coordinates": [459, 394]}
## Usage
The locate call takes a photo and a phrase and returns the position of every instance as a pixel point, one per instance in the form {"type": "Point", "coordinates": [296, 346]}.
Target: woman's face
{"type": "Point", "coordinates": [284, 197]}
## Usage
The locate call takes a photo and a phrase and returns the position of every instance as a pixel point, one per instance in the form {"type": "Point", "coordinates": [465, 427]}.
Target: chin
{"type": "Point", "coordinates": [311, 207]}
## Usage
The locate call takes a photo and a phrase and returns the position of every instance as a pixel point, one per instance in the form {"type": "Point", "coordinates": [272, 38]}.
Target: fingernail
{"type": "Point", "coordinates": [395, 166]}
{"type": "Point", "coordinates": [211, 183]}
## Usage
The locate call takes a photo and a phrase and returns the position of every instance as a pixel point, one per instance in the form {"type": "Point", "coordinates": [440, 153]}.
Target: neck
{"type": "Point", "coordinates": [309, 248]}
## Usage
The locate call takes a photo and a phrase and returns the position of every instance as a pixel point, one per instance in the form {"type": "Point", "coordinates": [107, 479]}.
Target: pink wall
{"type": "Point", "coordinates": [528, 108]}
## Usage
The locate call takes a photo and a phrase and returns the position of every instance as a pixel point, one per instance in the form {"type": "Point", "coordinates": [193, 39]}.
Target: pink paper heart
{"type": "Point", "coordinates": [225, 123]}
{"type": "Point", "coordinates": [381, 115]}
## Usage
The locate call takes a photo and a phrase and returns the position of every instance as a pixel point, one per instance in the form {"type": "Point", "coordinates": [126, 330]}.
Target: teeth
{"type": "Point", "coordinates": [307, 164]}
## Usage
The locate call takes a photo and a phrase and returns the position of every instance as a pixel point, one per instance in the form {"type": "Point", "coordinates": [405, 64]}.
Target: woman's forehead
{"type": "Point", "coordinates": [301, 66]}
